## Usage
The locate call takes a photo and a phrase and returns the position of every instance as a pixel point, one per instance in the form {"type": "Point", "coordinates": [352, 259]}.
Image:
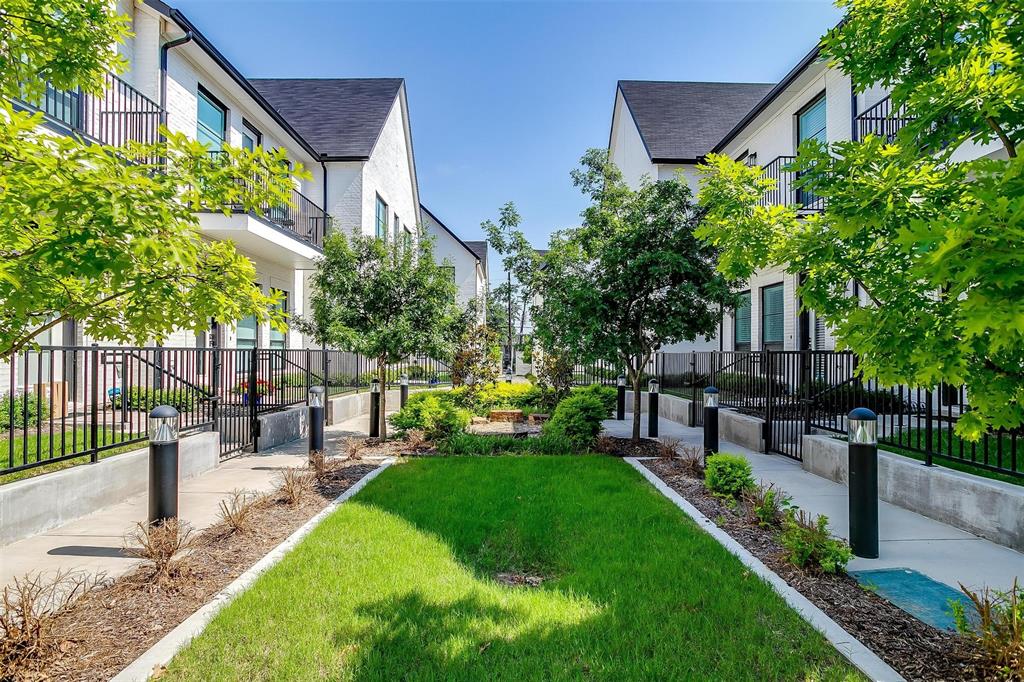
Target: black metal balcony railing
{"type": "Point", "coordinates": [785, 192]}
{"type": "Point", "coordinates": [119, 114]}
{"type": "Point", "coordinates": [301, 217]}
{"type": "Point", "coordinates": [883, 120]}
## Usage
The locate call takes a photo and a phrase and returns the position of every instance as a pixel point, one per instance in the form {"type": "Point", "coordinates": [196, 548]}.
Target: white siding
{"type": "Point", "coordinates": [627, 149]}
{"type": "Point", "coordinates": [449, 251]}
{"type": "Point", "coordinates": [389, 173]}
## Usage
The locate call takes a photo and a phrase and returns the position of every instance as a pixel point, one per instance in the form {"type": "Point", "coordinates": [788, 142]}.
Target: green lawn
{"type": "Point", "coordinates": [72, 441]}
{"type": "Point", "coordinates": [398, 585]}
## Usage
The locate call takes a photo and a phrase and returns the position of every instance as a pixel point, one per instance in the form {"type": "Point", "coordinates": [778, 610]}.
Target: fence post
{"type": "Point", "coordinates": [769, 408]}
{"type": "Point", "coordinates": [808, 400]}
{"type": "Point", "coordinates": [928, 428]}
{"type": "Point", "coordinates": [693, 388]}
{"type": "Point", "coordinates": [94, 409]}
{"type": "Point", "coordinates": [253, 395]}
{"type": "Point", "coordinates": [215, 377]}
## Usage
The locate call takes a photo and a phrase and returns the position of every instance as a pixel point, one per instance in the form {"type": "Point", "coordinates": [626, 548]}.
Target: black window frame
{"type": "Point", "coordinates": [738, 345]}
{"type": "Point", "coordinates": [781, 343]}
{"type": "Point", "coordinates": [214, 100]}
{"type": "Point", "coordinates": [248, 127]}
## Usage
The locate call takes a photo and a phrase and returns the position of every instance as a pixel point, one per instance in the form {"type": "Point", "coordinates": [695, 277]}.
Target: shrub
{"type": "Point", "coordinates": [163, 546]}
{"type": "Point", "coordinates": [500, 396]}
{"type": "Point", "coordinates": [807, 543]}
{"type": "Point", "coordinates": [728, 475]}
{"type": "Point", "coordinates": [293, 484]}
{"type": "Point", "coordinates": [842, 399]}
{"type": "Point", "coordinates": [766, 504]}
{"type": "Point", "coordinates": [435, 416]}
{"type": "Point", "coordinates": [29, 410]}
{"type": "Point", "coordinates": [749, 383]}
{"type": "Point", "coordinates": [182, 399]}
{"type": "Point", "coordinates": [606, 394]}
{"type": "Point", "coordinates": [578, 419]}
{"type": "Point", "coordinates": [997, 627]}
{"type": "Point", "coordinates": [468, 444]}
{"type": "Point", "coordinates": [236, 511]}
{"type": "Point", "coordinates": [293, 379]}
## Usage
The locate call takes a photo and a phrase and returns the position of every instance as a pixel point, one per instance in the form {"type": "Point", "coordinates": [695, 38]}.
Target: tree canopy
{"type": "Point", "coordinates": [109, 235]}
{"type": "Point", "coordinates": [519, 260]}
{"type": "Point", "coordinates": [934, 239]}
{"type": "Point", "coordinates": [632, 278]}
{"type": "Point", "coordinates": [384, 300]}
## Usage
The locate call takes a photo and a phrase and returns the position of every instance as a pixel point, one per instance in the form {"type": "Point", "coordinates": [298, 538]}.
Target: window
{"type": "Point", "coordinates": [450, 270]}
{"type": "Point", "coordinates": [772, 317]}
{"type": "Point", "coordinates": [279, 339]}
{"type": "Point", "coordinates": [251, 137]}
{"type": "Point", "coordinates": [382, 219]}
{"type": "Point", "coordinates": [741, 323]}
{"type": "Point", "coordinates": [397, 227]}
{"type": "Point", "coordinates": [211, 120]}
{"type": "Point", "coordinates": [407, 237]}
{"type": "Point", "coordinates": [247, 329]}
{"type": "Point", "coordinates": [810, 125]}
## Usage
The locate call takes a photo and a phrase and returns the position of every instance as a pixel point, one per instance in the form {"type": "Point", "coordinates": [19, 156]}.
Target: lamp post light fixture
{"type": "Point", "coordinates": [316, 419]}
{"type": "Point", "coordinates": [375, 408]}
{"type": "Point", "coordinates": [652, 408]}
{"type": "Point", "coordinates": [710, 421]}
{"type": "Point", "coordinates": [862, 425]}
{"type": "Point", "coordinates": [403, 389]}
{"type": "Point", "coordinates": [620, 398]}
{"type": "Point", "coordinates": [508, 377]}
{"type": "Point", "coordinates": [163, 464]}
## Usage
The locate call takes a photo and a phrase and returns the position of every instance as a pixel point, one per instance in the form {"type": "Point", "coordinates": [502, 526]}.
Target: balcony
{"type": "Point", "coordinates": [785, 192]}
{"type": "Point", "coordinates": [119, 114]}
{"type": "Point", "coordinates": [882, 120]}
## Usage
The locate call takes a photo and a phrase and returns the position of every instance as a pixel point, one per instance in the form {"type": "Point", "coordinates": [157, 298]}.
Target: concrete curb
{"type": "Point", "coordinates": [162, 652]}
{"type": "Point", "coordinates": [849, 646]}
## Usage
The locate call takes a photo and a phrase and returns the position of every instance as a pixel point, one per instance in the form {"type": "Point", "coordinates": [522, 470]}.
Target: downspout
{"type": "Point", "coordinates": [164, 49]}
{"type": "Point", "coordinates": [323, 165]}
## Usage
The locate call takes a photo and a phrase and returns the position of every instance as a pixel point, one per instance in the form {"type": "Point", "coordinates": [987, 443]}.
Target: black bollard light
{"type": "Point", "coordinates": [863, 482]}
{"type": "Point", "coordinates": [316, 419]}
{"type": "Point", "coordinates": [508, 377]}
{"type": "Point", "coordinates": [163, 464]}
{"type": "Point", "coordinates": [710, 421]}
{"type": "Point", "coordinates": [403, 390]}
{"type": "Point", "coordinates": [652, 408]}
{"type": "Point", "coordinates": [620, 400]}
{"type": "Point", "coordinates": [375, 408]}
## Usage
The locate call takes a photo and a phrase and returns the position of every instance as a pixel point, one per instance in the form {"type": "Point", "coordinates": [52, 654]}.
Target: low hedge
{"type": "Point", "coordinates": [140, 398]}
{"type": "Point", "coordinates": [436, 416]}
{"type": "Point", "coordinates": [578, 419]}
{"type": "Point", "coordinates": [475, 445]}
{"type": "Point", "coordinates": [28, 409]}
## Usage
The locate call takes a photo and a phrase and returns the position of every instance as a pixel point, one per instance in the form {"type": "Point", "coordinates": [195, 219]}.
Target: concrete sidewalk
{"type": "Point", "coordinates": [906, 539]}
{"type": "Point", "coordinates": [93, 543]}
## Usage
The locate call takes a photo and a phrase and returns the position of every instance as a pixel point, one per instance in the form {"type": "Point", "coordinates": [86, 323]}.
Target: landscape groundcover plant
{"type": "Point", "coordinates": [509, 568]}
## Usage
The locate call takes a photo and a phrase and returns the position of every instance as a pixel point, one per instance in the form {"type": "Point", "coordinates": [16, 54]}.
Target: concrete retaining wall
{"type": "Point", "coordinates": [344, 407]}
{"type": "Point", "coordinates": [732, 426]}
{"type": "Point", "coordinates": [40, 503]}
{"type": "Point", "coordinates": [991, 509]}
{"type": "Point", "coordinates": [277, 428]}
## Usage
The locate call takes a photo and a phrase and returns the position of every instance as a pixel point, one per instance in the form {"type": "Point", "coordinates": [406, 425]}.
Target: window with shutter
{"type": "Point", "coordinates": [772, 317]}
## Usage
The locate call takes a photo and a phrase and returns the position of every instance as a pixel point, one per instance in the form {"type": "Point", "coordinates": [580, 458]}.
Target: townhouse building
{"type": "Point", "coordinates": [660, 128]}
{"type": "Point", "coordinates": [352, 135]}
{"type": "Point", "coordinates": [466, 259]}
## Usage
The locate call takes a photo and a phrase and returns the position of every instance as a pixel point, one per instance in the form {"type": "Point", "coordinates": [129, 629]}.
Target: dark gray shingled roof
{"type": "Point", "coordinates": [681, 122]}
{"type": "Point", "coordinates": [340, 117]}
{"type": "Point", "coordinates": [480, 249]}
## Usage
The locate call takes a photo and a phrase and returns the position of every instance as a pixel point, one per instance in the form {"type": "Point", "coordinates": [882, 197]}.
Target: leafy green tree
{"type": "Point", "coordinates": [632, 278]}
{"type": "Point", "coordinates": [520, 262]}
{"type": "Point", "coordinates": [497, 312]}
{"type": "Point", "coordinates": [936, 242]}
{"type": "Point", "coordinates": [102, 234]}
{"type": "Point", "coordinates": [383, 300]}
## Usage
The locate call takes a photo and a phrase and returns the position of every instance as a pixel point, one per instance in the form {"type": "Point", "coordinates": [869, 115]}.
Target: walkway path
{"type": "Point", "coordinates": [93, 543]}
{"type": "Point", "coordinates": [906, 539]}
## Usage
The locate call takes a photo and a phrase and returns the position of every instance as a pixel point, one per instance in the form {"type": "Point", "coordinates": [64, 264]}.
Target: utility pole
{"type": "Point", "coordinates": [511, 348]}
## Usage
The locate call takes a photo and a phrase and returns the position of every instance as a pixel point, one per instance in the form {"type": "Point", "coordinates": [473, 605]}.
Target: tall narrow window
{"type": "Point", "coordinates": [810, 125]}
{"type": "Point", "coordinates": [247, 329]}
{"type": "Point", "coordinates": [382, 219]}
{"type": "Point", "coordinates": [741, 323]}
{"type": "Point", "coordinates": [279, 339]}
{"type": "Point", "coordinates": [396, 226]}
{"type": "Point", "coordinates": [211, 121]}
{"type": "Point", "coordinates": [251, 137]}
{"type": "Point", "coordinates": [772, 317]}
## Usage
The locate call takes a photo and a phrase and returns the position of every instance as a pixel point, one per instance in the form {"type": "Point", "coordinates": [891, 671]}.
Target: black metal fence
{"type": "Point", "coordinates": [796, 393]}
{"type": "Point", "coordinates": [882, 119]}
{"type": "Point", "coordinates": [785, 191]}
{"type": "Point", "coordinates": [82, 403]}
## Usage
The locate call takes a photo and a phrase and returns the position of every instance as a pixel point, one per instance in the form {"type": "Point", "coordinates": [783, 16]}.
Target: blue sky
{"type": "Point", "coordinates": [506, 96]}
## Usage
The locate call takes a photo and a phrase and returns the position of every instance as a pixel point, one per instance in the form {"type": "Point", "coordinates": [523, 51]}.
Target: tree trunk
{"type": "Point", "coordinates": [382, 376]}
{"type": "Point", "coordinates": [634, 380]}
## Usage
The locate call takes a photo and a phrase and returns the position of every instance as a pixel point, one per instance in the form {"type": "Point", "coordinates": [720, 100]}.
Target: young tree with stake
{"type": "Point", "coordinates": [384, 300]}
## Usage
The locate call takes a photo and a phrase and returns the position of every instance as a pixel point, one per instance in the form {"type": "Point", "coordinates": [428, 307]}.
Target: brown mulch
{"type": "Point", "coordinates": [625, 447]}
{"type": "Point", "coordinates": [121, 620]}
{"type": "Point", "coordinates": [913, 648]}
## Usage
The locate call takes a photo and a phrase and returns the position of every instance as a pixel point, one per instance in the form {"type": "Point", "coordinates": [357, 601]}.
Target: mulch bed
{"type": "Point", "coordinates": [114, 624]}
{"type": "Point", "coordinates": [625, 447]}
{"type": "Point", "coordinates": [913, 648]}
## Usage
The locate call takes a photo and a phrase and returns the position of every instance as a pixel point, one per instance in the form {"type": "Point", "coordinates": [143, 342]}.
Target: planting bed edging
{"type": "Point", "coordinates": [37, 504]}
{"type": "Point", "coordinates": [846, 644]}
{"type": "Point", "coordinates": [161, 653]}
{"type": "Point", "coordinates": [985, 507]}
